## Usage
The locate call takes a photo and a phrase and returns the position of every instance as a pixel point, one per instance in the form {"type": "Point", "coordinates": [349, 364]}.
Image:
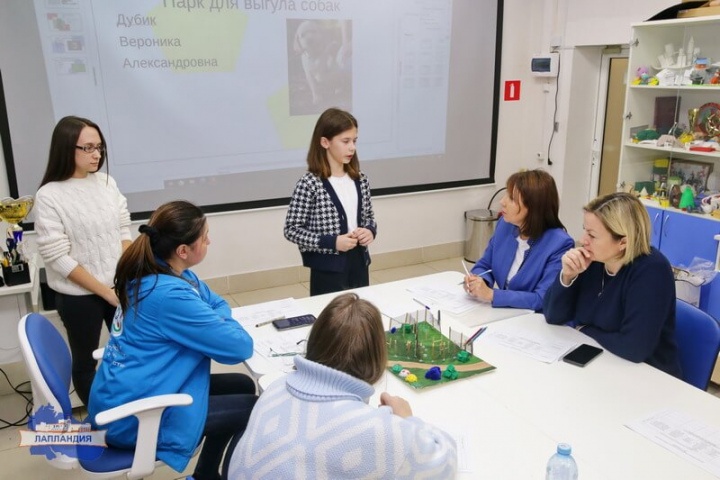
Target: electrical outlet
{"type": "Point", "coordinates": [539, 156]}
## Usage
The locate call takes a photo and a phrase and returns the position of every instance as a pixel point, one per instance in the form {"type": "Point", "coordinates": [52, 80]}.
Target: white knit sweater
{"type": "Point", "coordinates": [81, 221]}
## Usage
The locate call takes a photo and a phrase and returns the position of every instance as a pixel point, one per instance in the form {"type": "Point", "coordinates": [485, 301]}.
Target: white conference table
{"type": "Point", "coordinates": [513, 417]}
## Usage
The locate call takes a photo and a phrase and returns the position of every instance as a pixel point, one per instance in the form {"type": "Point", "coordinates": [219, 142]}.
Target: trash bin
{"type": "Point", "coordinates": [479, 227]}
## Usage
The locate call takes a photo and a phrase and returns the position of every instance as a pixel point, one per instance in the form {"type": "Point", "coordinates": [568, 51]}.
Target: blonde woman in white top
{"type": "Point", "coordinates": [82, 222]}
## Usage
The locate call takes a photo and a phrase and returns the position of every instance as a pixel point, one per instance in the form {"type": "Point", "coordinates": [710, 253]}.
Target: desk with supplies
{"type": "Point", "coordinates": [508, 421]}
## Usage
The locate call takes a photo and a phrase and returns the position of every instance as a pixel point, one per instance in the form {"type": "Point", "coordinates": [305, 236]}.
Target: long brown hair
{"type": "Point", "coordinates": [349, 336]}
{"type": "Point", "coordinates": [171, 225]}
{"type": "Point", "coordinates": [332, 122]}
{"type": "Point", "coordinates": [61, 159]}
{"type": "Point", "coordinates": [539, 194]}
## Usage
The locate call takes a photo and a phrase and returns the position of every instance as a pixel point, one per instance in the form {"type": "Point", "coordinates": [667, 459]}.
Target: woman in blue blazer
{"type": "Point", "coordinates": [524, 255]}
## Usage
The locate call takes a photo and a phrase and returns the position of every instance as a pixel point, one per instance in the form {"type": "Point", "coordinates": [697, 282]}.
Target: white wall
{"type": "Point", "coordinates": [252, 240]}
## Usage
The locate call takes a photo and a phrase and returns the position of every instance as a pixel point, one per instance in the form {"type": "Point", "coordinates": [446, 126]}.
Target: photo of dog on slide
{"type": "Point", "coordinates": [319, 65]}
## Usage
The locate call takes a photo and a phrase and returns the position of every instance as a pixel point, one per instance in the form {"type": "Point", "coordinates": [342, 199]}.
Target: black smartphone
{"type": "Point", "coordinates": [582, 355]}
{"type": "Point", "coordinates": [294, 322]}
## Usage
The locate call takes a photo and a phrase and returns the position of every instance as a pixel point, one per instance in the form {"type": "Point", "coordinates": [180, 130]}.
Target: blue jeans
{"type": "Point", "coordinates": [232, 397]}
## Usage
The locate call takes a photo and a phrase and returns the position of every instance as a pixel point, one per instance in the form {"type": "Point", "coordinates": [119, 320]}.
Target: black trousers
{"type": "Point", "coordinates": [83, 317]}
{"type": "Point", "coordinates": [232, 398]}
{"type": "Point", "coordinates": [355, 275]}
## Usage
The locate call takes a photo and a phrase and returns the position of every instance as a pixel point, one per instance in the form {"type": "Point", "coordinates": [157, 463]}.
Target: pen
{"type": "Point", "coordinates": [489, 270]}
{"type": "Point", "coordinates": [262, 324]}
{"type": "Point", "coordinates": [475, 335]}
{"type": "Point", "coordinates": [421, 303]}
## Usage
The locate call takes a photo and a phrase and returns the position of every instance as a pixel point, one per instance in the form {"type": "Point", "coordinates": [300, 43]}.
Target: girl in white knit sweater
{"type": "Point", "coordinates": [317, 423]}
{"type": "Point", "coordinates": [82, 225]}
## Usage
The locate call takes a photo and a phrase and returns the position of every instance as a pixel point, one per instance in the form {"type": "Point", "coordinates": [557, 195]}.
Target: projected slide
{"type": "Point", "coordinates": [191, 90]}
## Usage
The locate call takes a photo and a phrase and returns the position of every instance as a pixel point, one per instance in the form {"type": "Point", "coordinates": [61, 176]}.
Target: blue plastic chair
{"type": "Point", "coordinates": [698, 339]}
{"type": "Point", "coordinates": [49, 365]}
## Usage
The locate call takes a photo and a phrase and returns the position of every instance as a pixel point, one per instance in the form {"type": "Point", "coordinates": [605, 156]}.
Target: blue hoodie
{"type": "Point", "coordinates": [164, 345]}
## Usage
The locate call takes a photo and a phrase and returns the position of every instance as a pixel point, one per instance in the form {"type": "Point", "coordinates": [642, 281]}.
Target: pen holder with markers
{"type": "Point", "coordinates": [16, 274]}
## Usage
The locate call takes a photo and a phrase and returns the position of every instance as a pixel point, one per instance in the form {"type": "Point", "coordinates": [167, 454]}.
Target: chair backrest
{"type": "Point", "coordinates": [48, 360]}
{"type": "Point", "coordinates": [698, 339]}
{"type": "Point", "coordinates": [49, 366]}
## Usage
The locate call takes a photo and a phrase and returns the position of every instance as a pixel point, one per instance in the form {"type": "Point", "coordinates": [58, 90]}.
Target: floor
{"type": "Point", "coordinates": [18, 463]}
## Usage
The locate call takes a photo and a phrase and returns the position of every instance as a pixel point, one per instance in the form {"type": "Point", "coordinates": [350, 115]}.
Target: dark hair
{"type": "Point", "coordinates": [349, 336]}
{"type": "Point", "coordinates": [332, 122]}
{"type": "Point", "coordinates": [61, 159]}
{"type": "Point", "coordinates": [171, 225]}
{"type": "Point", "coordinates": [540, 196]}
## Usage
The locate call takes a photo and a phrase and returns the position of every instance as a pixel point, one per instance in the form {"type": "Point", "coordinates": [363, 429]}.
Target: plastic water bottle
{"type": "Point", "coordinates": [562, 466]}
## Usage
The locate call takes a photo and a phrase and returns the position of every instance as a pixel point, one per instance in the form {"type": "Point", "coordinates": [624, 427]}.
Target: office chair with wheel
{"type": "Point", "coordinates": [698, 339]}
{"type": "Point", "coordinates": [49, 365]}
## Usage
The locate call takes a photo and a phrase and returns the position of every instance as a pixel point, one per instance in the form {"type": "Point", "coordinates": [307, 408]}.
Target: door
{"type": "Point", "coordinates": [607, 139]}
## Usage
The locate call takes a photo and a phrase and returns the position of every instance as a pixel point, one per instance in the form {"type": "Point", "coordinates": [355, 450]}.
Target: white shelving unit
{"type": "Point", "coordinates": [648, 42]}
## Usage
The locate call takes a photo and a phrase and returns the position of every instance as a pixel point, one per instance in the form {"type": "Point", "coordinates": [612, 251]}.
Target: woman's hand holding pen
{"type": "Point", "coordinates": [477, 287]}
{"type": "Point", "coordinates": [346, 242]}
{"type": "Point", "coordinates": [574, 262]}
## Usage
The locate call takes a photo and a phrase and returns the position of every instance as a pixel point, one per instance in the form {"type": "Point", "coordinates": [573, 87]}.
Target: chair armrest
{"type": "Point", "coordinates": [98, 353]}
{"type": "Point", "coordinates": [148, 412]}
{"type": "Point", "coordinates": [136, 407]}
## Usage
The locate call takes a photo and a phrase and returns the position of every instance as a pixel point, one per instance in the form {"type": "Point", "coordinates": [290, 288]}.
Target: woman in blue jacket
{"type": "Point", "coordinates": [168, 327]}
{"type": "Point", "coordinates": [523, 257]}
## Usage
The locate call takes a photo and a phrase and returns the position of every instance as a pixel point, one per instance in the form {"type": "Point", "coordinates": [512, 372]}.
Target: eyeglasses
{"type": "Point", "coordinates": [89, 148]}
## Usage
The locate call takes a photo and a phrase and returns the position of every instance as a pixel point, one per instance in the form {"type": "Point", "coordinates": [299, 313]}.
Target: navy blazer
{"type": "Point", "coordinates": [542, 264]}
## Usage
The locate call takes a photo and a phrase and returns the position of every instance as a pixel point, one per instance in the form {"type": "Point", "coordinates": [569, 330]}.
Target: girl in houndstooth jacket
{"type": "Point", "coordinates": [330, 216]}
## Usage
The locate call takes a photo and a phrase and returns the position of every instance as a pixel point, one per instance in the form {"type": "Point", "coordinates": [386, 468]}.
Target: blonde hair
{"type": "Point", "coordinates": [624, 217]}
{"type": "Point", "coordinates": [349, 336]}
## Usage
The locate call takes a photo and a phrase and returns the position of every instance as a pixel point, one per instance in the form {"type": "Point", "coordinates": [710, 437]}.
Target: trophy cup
{"type": "Point", "coordinates": [14, 264]}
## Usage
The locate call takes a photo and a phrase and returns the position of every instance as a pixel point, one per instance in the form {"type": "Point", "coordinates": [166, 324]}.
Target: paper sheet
{"type": "Point", "coordinates": [689, 438]}
{"type": "Point", "coordinates": [531, 344]}
{"type": "Point", "coordinates": [446, 297]}
{"type": "Point", "coordinates": [251, 315]}
{"type": "Point", "coordinates": [465, 463]}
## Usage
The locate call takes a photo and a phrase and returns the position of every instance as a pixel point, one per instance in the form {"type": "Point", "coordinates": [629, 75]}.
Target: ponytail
{"type": "Point", "coordinates": [171, 225]}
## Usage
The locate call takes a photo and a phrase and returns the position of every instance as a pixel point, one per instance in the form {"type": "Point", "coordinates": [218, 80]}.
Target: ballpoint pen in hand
{"type": "Point", "coordinates": [489, 270]}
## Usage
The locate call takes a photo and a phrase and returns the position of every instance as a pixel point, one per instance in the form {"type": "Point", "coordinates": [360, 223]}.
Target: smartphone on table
{"type": "Point", "coordinates": [582, 355]}
{"type": "Point", "coordinates": [294, 322]}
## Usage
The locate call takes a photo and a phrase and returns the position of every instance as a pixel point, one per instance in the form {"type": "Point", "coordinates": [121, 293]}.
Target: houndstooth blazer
{"type": "Point", "coordinates": [316, 217]}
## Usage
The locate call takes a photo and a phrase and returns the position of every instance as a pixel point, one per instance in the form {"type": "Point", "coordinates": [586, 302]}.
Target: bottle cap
{"type": "Point", "coordinates": [564, 449]}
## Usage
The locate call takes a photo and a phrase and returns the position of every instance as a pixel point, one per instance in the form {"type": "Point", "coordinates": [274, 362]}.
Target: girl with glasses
{"type": "Point", "coordinates": [82, 222]}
